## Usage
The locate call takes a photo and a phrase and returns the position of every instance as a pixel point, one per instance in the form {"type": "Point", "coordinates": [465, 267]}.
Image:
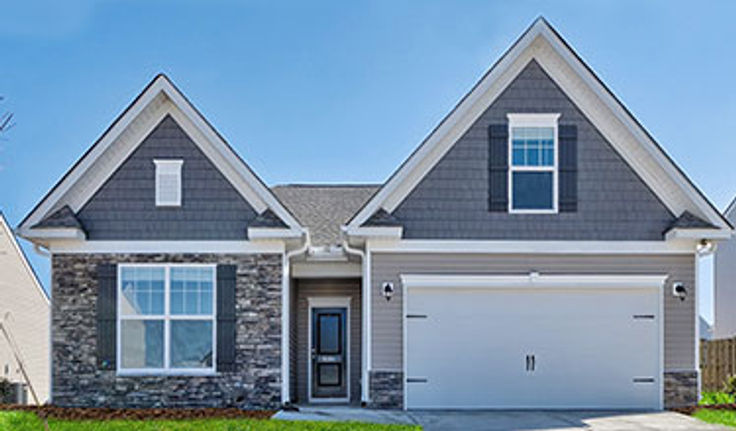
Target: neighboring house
{"type": "Point", "coordinates": [24, 316]}
{"type": "Point", "coordinates": [724, 290]}
{"type": "Point", "coordinates": [538, 250]}
{"type": "Point", "coordinates": [706, 330]}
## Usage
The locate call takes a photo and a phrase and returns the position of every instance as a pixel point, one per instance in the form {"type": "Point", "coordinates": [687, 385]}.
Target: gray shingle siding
{"type": "Point", "coordinates": [124, 208]}
{"type": "Point", "coordinates": [452, 200]}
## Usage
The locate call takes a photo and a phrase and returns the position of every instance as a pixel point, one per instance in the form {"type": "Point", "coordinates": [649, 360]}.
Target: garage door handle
{"type": "Point", "coordinates": [534, 362]}
{"type": "Point", "coordinates": [531, 362]}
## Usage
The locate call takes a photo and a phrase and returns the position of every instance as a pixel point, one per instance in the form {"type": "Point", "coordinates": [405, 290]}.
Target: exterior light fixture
{"type": "Point", "coordinates": [679, 290]}
{"type": "Point", "coordinates": [387, 290]}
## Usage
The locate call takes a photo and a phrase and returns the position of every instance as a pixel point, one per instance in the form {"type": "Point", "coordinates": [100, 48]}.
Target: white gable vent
{"type": "Point", "coordinates": [168, 182]}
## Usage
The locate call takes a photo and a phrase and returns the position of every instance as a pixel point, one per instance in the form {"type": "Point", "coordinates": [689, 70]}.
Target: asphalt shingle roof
{"type": "Point", "coordinates": [689, 221]}
{"type": "Point", "coordinates": [63, 217]}
{"type": "Point", "coordinates": [324, 208]}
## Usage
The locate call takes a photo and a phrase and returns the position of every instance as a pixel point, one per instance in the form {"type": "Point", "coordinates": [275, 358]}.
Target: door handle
{"type": "Point", "coordinates": [534, 362]}
{"type": "Point", "coordinates": [528, 362]}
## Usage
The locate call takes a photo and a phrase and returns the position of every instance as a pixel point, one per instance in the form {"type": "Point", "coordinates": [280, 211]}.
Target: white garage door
{"type": "Point", "coordinates": [532, 348]}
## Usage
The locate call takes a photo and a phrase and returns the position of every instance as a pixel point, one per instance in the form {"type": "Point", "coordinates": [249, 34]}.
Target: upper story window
{"type": "Point", "coordinates": [168, 182]}
{"type": "Point", "coordinates": [533, 160]}
{"type": "Point", "coordinates": [166, 318]}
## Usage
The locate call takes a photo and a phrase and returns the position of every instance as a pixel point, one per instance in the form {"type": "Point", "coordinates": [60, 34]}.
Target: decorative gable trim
{"type": "Point", "coordinates": [543, 44]}
{"type": "Point", "coordinates": [159, 99]}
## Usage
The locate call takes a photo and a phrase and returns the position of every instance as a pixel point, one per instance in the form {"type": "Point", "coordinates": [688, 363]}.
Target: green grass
{"type": "Point", "coordinates": [25, 421]}
{"type": "Point", "coordinates": [713, 398]}
{"type": "Point", "coordinates": [723, 417]}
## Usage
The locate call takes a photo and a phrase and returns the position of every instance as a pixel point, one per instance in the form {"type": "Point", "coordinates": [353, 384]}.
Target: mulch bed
{"type": "Point", "coordinates": [104, 414]}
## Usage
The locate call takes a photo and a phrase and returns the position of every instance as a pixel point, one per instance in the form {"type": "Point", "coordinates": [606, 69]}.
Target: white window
{"type": "Point", "coordinates": [168, 182]}
{"type": "Point", "coordinates": [533, 163]}
{"type": "Point", "coordinates": [166, 319]}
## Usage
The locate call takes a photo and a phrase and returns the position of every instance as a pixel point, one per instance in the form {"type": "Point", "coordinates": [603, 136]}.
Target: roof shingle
{"type": "Point", "coordinates": [324, 208]}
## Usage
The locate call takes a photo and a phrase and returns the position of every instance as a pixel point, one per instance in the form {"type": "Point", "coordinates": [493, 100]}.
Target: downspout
{"type": "Point", "coordinates": [286, 317]}
{"type": "Point", "coordinates": [703, 249]}
{"type": "Point", "coordinates": [366, 305]}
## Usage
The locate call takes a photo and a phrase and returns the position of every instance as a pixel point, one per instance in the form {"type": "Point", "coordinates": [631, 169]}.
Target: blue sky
{"type": "Point", "coordinates": [343, 91]}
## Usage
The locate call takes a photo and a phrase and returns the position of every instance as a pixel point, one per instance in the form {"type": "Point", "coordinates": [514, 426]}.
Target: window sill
{"type": "Point", "coordinates": [553, 211]}
{"type": "Point", "coordinates": [166, 373]}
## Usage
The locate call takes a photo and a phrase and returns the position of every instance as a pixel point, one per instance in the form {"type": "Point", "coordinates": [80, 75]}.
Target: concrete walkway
{"type": "Point", "coordinates": [508, 419]}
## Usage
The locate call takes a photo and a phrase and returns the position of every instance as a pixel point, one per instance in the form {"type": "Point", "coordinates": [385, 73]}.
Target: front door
{"type": "Point", "coordinates": [329, 353]}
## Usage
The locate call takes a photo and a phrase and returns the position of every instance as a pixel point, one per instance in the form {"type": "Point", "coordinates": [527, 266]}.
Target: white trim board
{"type": "Point", "coordinates": [158, 99]}
{"type": "Point", "coordinates": [541, 43]}
{"type": "Point", "coordinates": [534, 281]}
{"type": "Point", "coordinates": [234, 247]}
{"type": "Point", "coordinates": [533, 247]}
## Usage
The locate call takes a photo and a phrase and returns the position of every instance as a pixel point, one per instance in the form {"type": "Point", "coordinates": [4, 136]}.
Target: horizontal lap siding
{"type": "Point", "coordinates": [386, 316]}
{"type": "Point", "coordinates": [326, 288]}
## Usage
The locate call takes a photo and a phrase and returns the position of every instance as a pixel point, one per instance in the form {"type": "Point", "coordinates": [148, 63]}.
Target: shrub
{"type": "Point", "coordinates": [716, 398]}
{"type": "Point", "coordinates": [730, 386]}
{"type": "Point", "coordinates": [6, 391]}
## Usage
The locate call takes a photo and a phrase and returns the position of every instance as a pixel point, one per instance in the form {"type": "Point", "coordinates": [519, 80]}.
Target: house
{"type": "Point", "coordinates": [537, 250]}
{"type": "Point", "coordinates": [706, 329]}
{"type": "Point", "coordinates": [724, 290]}
{"type": "Point", "coordinates": [24, 321]}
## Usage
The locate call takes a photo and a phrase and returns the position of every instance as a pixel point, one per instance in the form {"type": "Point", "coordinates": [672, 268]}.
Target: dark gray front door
{"type": "Point", "coordinates": [329, 352]}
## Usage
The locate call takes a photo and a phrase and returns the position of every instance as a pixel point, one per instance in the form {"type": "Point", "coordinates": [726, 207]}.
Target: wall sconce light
{"type": "Point", "coordinates": [387, 290]}
{"type": "Point", "coordinates": [679, 290]}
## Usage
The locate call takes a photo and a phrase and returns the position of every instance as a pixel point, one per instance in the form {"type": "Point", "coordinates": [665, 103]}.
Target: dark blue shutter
{"type": "Point", "coordinates": [568, 167]}
{"type": "Point", "coordinates": [226, 281]}
{"type": "Point", "coordinates": [498, 168]}
{"type": "Point", "coordinates": [107, 289]}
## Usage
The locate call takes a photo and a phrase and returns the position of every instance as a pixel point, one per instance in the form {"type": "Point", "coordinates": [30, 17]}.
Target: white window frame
{"type": "Point", "coordinates": [168, 167]}
{"type": "Point", "coordinates": [533, 120]}
{"type": "Point", "coordinates": [167, 317]}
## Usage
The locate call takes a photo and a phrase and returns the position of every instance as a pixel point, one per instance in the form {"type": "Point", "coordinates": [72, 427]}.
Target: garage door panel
{"type": "Point", "coordinates": [470, 350]}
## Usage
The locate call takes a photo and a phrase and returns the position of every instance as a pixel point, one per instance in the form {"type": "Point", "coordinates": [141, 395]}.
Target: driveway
{"type": "Point", "coordinates": [508, 419]}
{"type": "Point", "coordinates": [559, 420]}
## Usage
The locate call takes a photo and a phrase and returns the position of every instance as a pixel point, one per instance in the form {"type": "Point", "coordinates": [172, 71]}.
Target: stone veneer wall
{"type": "Point", "coordinates": [255, 382]}
{"type": "Point", "coordinates": [680, 389]}
{"type": "Point", "coordinates": [387, 390]}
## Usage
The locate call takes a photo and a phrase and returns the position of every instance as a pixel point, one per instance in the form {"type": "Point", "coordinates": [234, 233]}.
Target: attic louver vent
{"type": "Point", "coordinates": [168, 182]}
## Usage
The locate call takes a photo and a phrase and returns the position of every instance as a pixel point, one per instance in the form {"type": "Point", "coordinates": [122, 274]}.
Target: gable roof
{"type": "Point", "coordinates": [158, 99]}
{"type": "Point", "coordinates": [541, 43]}
{"type": "Point", "coordinates": [324, 208]}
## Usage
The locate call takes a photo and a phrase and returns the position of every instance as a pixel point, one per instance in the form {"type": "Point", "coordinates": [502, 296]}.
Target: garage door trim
{"type": "Point", "coordinates": [532, 281]}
